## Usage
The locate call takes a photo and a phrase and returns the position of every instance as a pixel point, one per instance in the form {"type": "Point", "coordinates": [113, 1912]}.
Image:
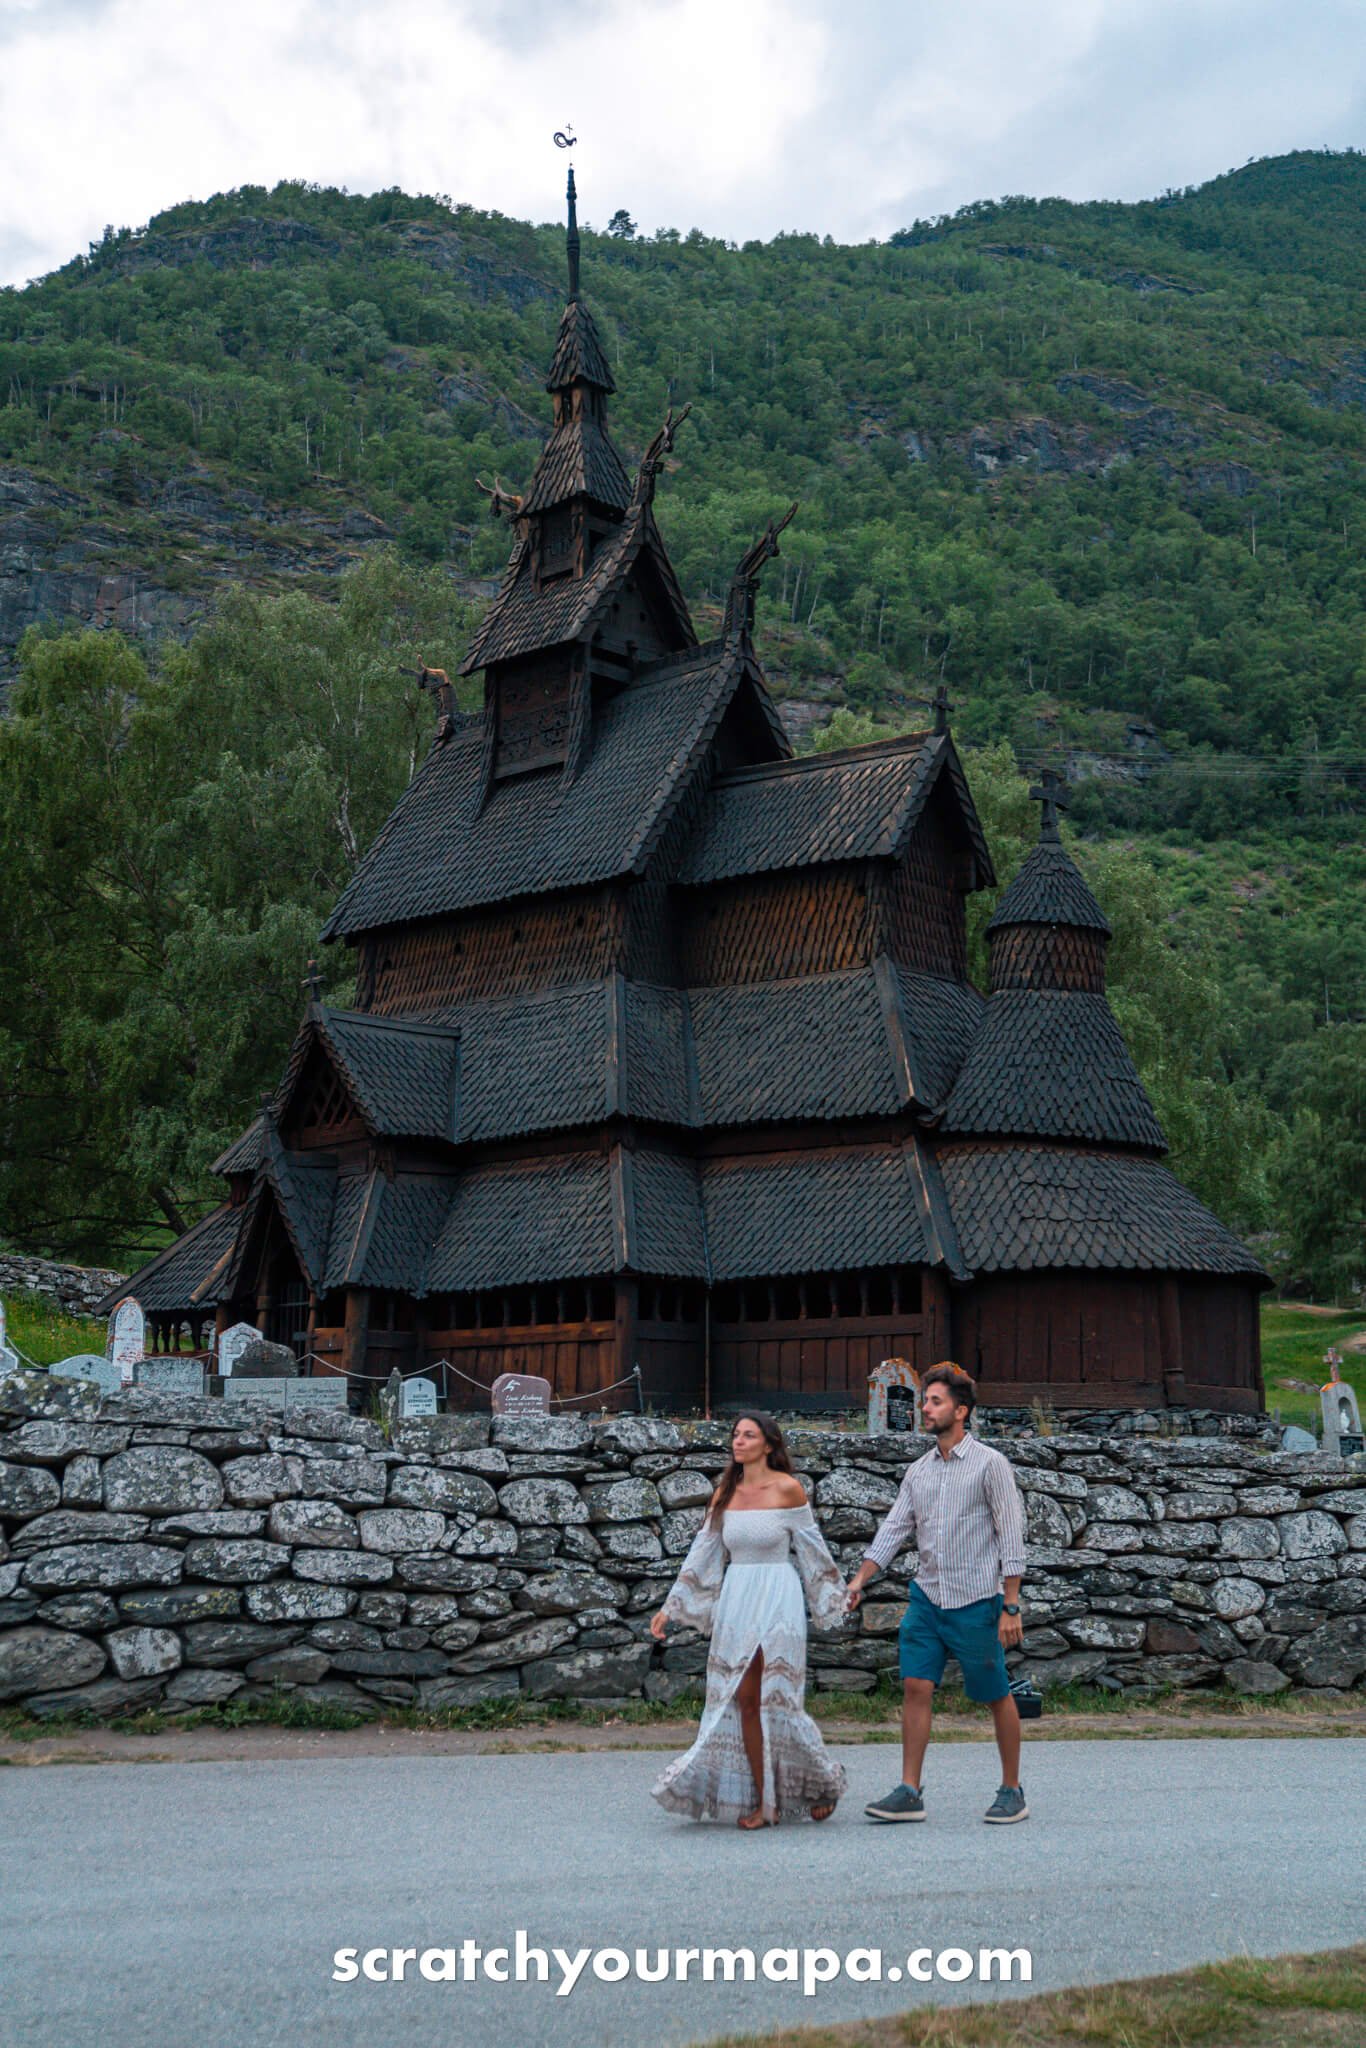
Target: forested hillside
{"type": "Point", "coordinates": [1096, 467]}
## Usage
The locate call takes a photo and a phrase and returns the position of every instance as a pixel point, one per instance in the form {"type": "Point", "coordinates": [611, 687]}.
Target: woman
{"type": "Point", "coordinates": [758, 1757]}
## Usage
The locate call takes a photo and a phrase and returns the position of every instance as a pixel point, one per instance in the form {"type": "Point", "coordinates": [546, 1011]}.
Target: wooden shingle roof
{"type": "Point", "coordinates": [1051, 1063]}
{"type": "Point", "coordinates": [184, 1278]}
{"type": "Point", "coordinates": [578, 356]}
{"type": "Point", "coordinates": [1049, 889]}
{"type": "Point", "coordinates": [523, 620]}
{"type": "Point", "coordinates": [518, 1224]}
{"type": "Point", "coordinates": [1023, 1208]}
{"type": "Point", "coordinates": [812, 1212]}
{"type": "Point", "coordinates": [441, 850]}
{"type": "Point", "coordinates": [860, 803]}
{"type": "Point", "coordinates": [579, 460]}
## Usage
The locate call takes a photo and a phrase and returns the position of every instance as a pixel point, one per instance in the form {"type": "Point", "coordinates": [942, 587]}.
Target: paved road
{"type": "Point", "coordinates": [151, 1906]}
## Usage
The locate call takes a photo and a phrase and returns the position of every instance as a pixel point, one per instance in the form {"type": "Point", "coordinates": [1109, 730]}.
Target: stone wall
{"type": "Point", "coordinates": [74, 1289]}
{"type": "Point", "coordinates": [174, 1552]}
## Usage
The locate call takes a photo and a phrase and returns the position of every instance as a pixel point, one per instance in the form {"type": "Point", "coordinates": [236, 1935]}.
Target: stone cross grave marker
{"type": "Point", "coordinates": [520, 1393]}
{"type": "Point", "coordinates": [127, 1336]}
{"type": "Point", "coordinates": [232, 1344]}
{"type": "Point", "coordinates": [171, 1375]}
{"type": "Point", "coordinates": [1341, 1418]}
{"type": "Point", "coordinates": [88, 1365]}
{"type": "Point", "coordinates": [893, 1397]}
{"type": "Point", "coordinates": [418, 1398]}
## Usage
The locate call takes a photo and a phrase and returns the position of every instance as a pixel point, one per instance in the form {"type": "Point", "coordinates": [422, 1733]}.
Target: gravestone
{"type": "Point", "coordinates": [419, 1398]}
{"type": "Point", "coordinates": [1342, 1435]}
{"type": "Point", "coordinates": [520, 1393]}
{"type": "Point", "coordinates": [893, 1397]}
{"type": "Point", "coordinates": [232, 1344]}
{"type": "Point", "coordinates": [171, 1375]}
{"type": "Point", "coordinates": [391, 1402]}
{"type": "Point", "coordinates": [88, 1365]}
{"type": "Point", "coordinates": [1293, 1438]}
{"type": "Point", "coordinates": [9, 1360]}
{"type": "Point", "coordinates": [127, 1336]}
{"type": "Point", "coordinates": [264, 1360]}
{"type": "Point", "coordinates": [327, 1391]}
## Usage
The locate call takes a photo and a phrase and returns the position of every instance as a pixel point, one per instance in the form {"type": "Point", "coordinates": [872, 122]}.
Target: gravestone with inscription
{"type": "Point", "coordinates": [170, 1375]}
{"type": "Point", "coordinates": [88, 1365]}
{"type": "Point", "coordinates": [1342, 1435]}
{"type": "Point", "coordinates": [127, 1336]}
{"type": "Point", "coordinates": [232, 1344]}
{"type": "Point", "coordinates": [893, 1397]}
{"type": "Point", "coordinates": [418, 1398]}
{"type": "Point", "coordinates": [327, 1391]}
{"type": "Point", "coordinates": [520, 1393]}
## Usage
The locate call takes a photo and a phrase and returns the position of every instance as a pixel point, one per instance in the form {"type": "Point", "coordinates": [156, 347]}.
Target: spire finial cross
{"type": "Point", "coordinates": [312, 981]}
{"type": "Point", "coordinates": [941, 704]}
{"type": "Point", "coordinates": [1051, 792]}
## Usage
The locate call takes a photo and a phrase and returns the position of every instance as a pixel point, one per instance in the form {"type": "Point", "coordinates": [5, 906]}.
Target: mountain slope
{"type": "Point", "coordinates": [1096, 466]}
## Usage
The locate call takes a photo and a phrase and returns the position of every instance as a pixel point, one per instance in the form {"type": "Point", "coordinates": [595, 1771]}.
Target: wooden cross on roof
{"type": "Point", "coordinates": [312, 981]}
{"type": "Point", "coordinates": [1051, 792]}
{"type": "Point", "coordinates": [941, 704]}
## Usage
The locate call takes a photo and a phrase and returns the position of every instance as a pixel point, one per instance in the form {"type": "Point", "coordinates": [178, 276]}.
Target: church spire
{"type": "Point", "coordinates": [571, 239]}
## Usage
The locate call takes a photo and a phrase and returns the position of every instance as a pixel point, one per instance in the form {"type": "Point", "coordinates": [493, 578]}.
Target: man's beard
{"type": "Point", "coordinates": [938, 1428]}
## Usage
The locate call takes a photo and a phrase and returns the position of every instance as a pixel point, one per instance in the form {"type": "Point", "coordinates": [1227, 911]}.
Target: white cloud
{"type": "Point", "coordinates": [738, 118]}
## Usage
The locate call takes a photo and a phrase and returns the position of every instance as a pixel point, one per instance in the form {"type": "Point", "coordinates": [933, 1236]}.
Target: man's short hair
{"type": "Point", "coordinates": [961, 1385]}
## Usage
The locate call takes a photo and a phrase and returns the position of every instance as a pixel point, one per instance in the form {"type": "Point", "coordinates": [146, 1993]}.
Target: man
{"type": "Point", "coordinates": [961, 1505]}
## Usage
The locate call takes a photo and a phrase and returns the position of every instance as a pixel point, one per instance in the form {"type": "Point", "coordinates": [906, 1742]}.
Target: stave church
{"type": "Point", "coordinates": [664, 1053]}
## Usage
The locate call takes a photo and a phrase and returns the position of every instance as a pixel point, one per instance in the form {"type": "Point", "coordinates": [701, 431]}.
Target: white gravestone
{"type": "Point", "coordinates": [418, 1398]}
{"type": "Point", "coordinates": [9, 1360]}
{"type": "Point", "coordinates": [1341, 1419]}
{"type": "Point", "coordinates": [127, 1337]}
{"type": "Point", "coordinates": [520, 1393]}
{"type": "Point", "coordinates": [232, 1344]}
{"type": "Point", "coordinates": [88, 1365]}
{"type": "Point", "coordinates": [893, 1397]}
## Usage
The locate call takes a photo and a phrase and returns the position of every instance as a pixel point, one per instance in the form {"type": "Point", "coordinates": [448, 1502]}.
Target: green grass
{"type": "Point", "coordinates": [1304, 2001]}
{"type": "Point", "coordinates": [1294, 1339]}
{"type": "Point", "coordinates": [39, 1331]}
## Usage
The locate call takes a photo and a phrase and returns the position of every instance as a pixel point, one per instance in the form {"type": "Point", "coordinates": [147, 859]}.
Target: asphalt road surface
{"type": "Point", "coordinates": [148, 1906]}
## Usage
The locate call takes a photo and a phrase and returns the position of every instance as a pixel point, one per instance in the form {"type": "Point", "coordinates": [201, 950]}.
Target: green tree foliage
{"type": "Point", "coordinates": [1320, 1166]}
{"type": "Point", "coordinates": [170, 842]}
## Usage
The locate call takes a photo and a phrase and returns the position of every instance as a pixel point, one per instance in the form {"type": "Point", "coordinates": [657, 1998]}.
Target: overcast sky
{"type": "Point", "coordinates": [742, 117]}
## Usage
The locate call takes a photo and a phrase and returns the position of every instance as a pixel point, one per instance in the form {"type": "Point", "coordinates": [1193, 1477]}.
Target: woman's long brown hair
{"type": "Point", "coordinates": [779, 1459]}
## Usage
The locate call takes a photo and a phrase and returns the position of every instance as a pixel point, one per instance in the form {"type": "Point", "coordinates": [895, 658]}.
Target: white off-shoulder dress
{"type": "Point", "coordinates": [748, 1585]}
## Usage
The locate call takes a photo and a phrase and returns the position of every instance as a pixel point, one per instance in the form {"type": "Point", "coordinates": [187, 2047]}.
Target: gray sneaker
{"type": "Point", "coordinates": [903, 1804]}
{"type": "Point", "coordinates": [1008, 1805]}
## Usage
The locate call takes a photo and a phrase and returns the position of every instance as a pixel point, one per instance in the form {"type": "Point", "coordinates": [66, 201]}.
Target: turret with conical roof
{"type": "Point", "coordinates": [1050, 1060]}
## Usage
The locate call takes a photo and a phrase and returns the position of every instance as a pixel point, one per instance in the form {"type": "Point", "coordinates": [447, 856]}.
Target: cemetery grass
{"type": "Point", "coordinates": [39, 1330]}
{"type": "Point", "coordinates": [1295, 1336]}
{"type": "Point", "coordinates": [1297, 2001]}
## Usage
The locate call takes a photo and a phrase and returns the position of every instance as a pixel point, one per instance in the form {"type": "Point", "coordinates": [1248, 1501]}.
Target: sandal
{"type": "Point", "coordinates": [750, 1821]}
{"type": "Point", "coordinates": [824, 1810]}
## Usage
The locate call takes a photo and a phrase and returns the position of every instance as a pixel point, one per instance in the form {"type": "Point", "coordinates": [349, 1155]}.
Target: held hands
{"type": "Point", "coordinates": [1010, 1629]}
{"type": "Point", "coordinates": [853, 1597]}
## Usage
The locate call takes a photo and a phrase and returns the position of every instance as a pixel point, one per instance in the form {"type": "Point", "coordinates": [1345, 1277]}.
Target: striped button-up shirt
{"type": "Point", "coordinates": [965, 1515]}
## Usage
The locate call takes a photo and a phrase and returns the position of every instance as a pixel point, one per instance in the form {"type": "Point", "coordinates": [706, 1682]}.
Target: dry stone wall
{"type": "Point", "coordinates": [162, 1551]}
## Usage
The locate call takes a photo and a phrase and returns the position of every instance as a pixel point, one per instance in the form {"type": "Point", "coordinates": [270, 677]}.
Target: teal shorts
{"type": "Point", "coordinates": [930, 1635]}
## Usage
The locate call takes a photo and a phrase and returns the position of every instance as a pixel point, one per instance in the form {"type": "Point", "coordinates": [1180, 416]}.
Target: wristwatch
{"type": "Point", "coordinates": [1010, 1607]}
